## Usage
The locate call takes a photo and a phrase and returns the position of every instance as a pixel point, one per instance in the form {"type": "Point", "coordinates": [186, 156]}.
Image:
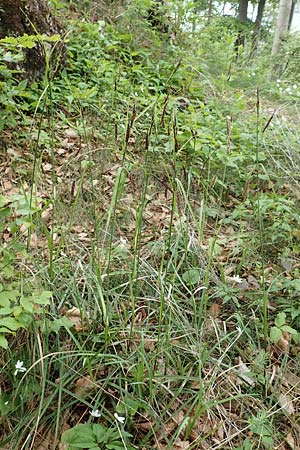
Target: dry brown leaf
{"type": "Point", "coordinates": [62, 446]}
{"type": "Point", "coordinates": [243, 370]}
{"type": "Point", "coordinates": [74, 314]}
{"type": "Point", "coordinates": [215, 310]}
{"type": "Point", "coordinates": [178, 445]}
{"type": "Point", "coordinates": [286, 402]}
{"type": "Point", "coordinates": [284, 341]}
{"type": "Point", "coordinates": [71, 133]}
{"type": "Point", "coordinates": [47, 167]}
{"type": "Point", "coordinates": [84, 386]}
{"type": "Point", "coordinates": [290, 441]}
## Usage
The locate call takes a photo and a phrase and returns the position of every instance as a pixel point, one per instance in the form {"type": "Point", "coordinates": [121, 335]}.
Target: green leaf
{"type": "Point", "coordinates": [3, 342]}
{"type": "Point", "coordinates": [289, 330]}
{"type": "Point", "coordinates": [63, 322]}
{"type": "Point", "coordinates": [275, 334]}
{"type": "Point", "coordinates": [43, 298]}
{"type": "Point", "coordinates": [10, 323]}
{"type": "Point", "coordinates": [7, 296]}
{"type": "Point", "coordinates": [268, 441]}
{"type": "Point", "coordinates": [5, 212]}
{"type": "Point", "coordinates": [102, 434]}
{"type": "Point", "coordinates": [27, 304]}
{"type": "Point", "coordinates": [192, 276]}
{"type": "Point", "coordinates": [5, 311]}
{"type": "Point", "coordinates": [280, 319]}
{"type": "Point", "coordinates": [4, 201]}
{"type": "Point", "coordinates": [81, 437]}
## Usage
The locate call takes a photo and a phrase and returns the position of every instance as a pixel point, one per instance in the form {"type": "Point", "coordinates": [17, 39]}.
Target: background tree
{"type": "Point", "coordinates": [19, 17]}
{"type": "Point", "coordinates": [282, 25]}
{"type": "Point", "coordinates": [259, 15]}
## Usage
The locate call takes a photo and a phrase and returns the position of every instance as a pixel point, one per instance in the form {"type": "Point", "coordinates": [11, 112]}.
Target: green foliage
{"type": "Point", "coordinates": [17, 307]}
{"type": "Point", "coordinates": [95, 437]}
{"type": "Point", "coordinates": [260, 425]}
{"type": "Point", "coordinates": [280, 327]}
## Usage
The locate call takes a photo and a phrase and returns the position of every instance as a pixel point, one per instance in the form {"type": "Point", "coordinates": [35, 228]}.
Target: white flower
{"type": "Point", "coordinates": [19, 367]}
{"type": "Point", "coordinates": [237, 279]}
{"type": "Point", "coordinates": [123, 243]}
{"type": "Point", "coordinates": [119, 418]}
{"type": "Point", "coordinates": [95, 413]}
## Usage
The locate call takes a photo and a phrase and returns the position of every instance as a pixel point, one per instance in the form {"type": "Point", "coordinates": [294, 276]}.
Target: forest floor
{"type": "Point", "coordinates": [154, 241]}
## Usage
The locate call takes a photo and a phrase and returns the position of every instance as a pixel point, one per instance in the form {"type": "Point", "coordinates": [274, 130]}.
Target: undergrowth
{"type": "Point", "coordinates": [150, 243]}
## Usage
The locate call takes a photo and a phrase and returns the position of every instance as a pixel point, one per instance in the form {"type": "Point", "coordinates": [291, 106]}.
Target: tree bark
{"type": "Point", "coordinates": [260, 13]}
{"type": "Point", "coordinates": [19, 17]}
{"type": "Point", "coordinates": [243, 10]}
{"type": "Point", "coordinates": [282, 25]}
{"type": "Point", "coordinates": [291, 15]}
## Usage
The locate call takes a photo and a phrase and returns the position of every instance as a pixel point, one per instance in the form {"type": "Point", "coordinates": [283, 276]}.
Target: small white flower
{"type": "Point", "coordinates": [237, 279]}
{"type": "Point", "coordinates": [123, 243]}
{"type": "Point", "coordinates": [95, 413]}
{"type": "Point", "coordinates": [119, 418]}
{"type": "Point", "coordinates": [6, 403]}
{"type": "Point", "coordinates": [19, 367]}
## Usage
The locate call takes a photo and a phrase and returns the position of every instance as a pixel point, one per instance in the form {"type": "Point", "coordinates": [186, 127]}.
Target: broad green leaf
{"type": "Point", "coordinates": [5, 212]}
{"type": "Point", "coordinates": [42, 298]}
{"type": "Point", "coordinates": [289, 329]}
{"type": "Point", "coordinates": [5, 311]}
{"type": "Point", "coordinates": [27, 304]}
{"type": "Point", "coordinates": [4, 201]}
{"type": "Point", "coordinates": [63, 322]}
{"type": "Point", "coordinates": [280, 319]}
{"type": "Point", "coordinates": [275, 334]}
{"type": "Point", "coordinates": [7, 296]}
{"type": "Point", "coordinates": [101, 433]}
{"type": "Point", "coordinates": [192, 276]}
{"type": "Point", "coordinates": [81, 437]}
{"type": "Point", "coordinates": [3, 342]}
{"type": "Point", "coordinates": [10, 323]}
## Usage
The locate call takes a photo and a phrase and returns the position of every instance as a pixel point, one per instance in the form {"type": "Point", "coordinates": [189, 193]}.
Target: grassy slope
{"type": "Point", "coordinates": [168, 237]}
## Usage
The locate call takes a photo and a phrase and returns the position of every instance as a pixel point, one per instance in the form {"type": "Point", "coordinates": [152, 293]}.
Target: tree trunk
{"type": "Point", "coordinates": [209, 9]}
{"type": "Point", "coordinates": [291, 15]}
{"type": "Point", "coordinates": [243, 10]}
{"type": "Point", "coordinates": [31, 17]}
{"type": "Point", "coordinates": [282, 26]}
{"type": "Point", "coordinates": [260, 13]}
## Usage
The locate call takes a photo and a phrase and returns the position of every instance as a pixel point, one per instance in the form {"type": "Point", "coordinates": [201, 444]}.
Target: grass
{"type": "Point", "coordinates": [159, 230]}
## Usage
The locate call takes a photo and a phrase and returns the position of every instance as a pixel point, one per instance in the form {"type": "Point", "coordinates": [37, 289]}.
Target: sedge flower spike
{"type": "Point", "coordinates": [119, 418]}
{"type": "Point", "coordinates": [19, 367]}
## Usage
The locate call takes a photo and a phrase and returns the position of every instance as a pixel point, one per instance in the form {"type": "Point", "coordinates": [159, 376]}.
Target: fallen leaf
{"type": "Point", "coordinates": [243, 370]}
{"type": "Point", "coordinates": [284, 341]}
{"type": "Point", "coordinates": [286, 402]}
{"type": "Point", "coordinates": [290, 441]}
{"type": "Point", "coordinates": [84, 386]}
{"type": "Point", "coordinates": [75, 315]}
{"type": "Point", "coordinates": [71, 133]}
{"type": "Point", "coordinates": [215, 310]}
